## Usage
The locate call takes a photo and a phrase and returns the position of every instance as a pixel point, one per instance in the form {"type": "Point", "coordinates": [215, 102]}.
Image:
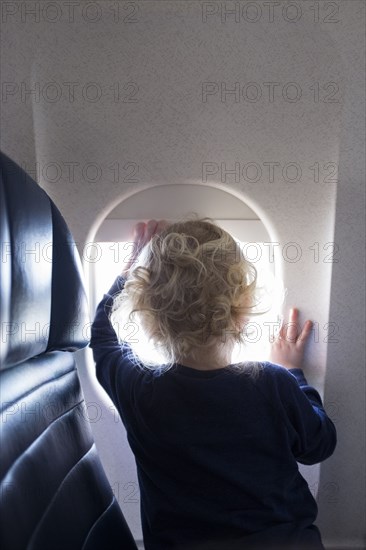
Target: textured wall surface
{"type": "Point", "coordinates": [101, 100]}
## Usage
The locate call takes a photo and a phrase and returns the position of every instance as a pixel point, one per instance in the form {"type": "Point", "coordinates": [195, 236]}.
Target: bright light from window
{"type": "Point", "coordinates": [271, 294]}
{"type": "Point", "coordinates": [113, 256]}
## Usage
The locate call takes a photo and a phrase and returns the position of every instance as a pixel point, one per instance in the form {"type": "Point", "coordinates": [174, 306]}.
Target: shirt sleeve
{"type": "Point", "coordinates": [113, 360]}
{"type": "Point", "coordinates": [314, 434]}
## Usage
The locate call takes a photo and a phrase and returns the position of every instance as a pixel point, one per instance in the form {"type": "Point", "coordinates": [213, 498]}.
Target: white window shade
{"type": "Point", "coordinates": [243, 230]}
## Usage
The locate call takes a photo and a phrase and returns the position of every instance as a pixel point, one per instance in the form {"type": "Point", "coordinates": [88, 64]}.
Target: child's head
{"type": "Point", "coordinates": [190, 288]}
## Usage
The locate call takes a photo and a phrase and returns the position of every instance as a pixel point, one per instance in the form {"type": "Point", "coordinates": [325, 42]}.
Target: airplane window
{"type": "Point", "coordinates": [112, 256]}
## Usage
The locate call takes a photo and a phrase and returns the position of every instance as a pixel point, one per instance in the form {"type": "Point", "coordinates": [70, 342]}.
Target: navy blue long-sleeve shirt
{"type": "Point", "coordinates": [216, 451]}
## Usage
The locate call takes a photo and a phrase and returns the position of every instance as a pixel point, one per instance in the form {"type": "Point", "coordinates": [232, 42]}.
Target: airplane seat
{"type": "Point", "coordinates": [54, 493]}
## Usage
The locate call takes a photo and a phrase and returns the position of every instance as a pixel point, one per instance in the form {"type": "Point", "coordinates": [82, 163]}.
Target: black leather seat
{"type": "Point", "coordinates": [54, 493]}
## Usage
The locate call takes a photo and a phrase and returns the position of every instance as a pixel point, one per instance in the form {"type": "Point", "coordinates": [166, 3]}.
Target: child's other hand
{"type": "Point", "coordinates": [142, 234]}
{"type": "Point", "coordinates": [288, 348]}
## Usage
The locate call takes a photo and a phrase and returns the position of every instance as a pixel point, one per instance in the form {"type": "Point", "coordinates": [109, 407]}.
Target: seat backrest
{"type": "Point", "coordinates": [54, 493]}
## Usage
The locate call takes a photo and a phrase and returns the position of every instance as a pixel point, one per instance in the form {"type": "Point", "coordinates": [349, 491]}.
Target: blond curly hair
{"type": "Point", "coordinates": [190, 288]}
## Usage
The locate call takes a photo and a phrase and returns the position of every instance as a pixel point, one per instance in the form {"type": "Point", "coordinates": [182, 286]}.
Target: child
{"type": "Point", "coordinates": [216, 444]}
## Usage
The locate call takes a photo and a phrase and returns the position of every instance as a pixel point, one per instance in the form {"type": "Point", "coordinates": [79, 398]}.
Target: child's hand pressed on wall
{"type": "Point", "coordinates": [142, 234]}
{"type": "Point", "coordinates": [288, 348]}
